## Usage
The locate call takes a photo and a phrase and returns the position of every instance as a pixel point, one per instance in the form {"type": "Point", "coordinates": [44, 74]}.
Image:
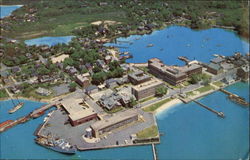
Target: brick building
{"type": "Point", "coordinates": [172, 74]}
{"type": "Point", "coordinates": [146, 89]}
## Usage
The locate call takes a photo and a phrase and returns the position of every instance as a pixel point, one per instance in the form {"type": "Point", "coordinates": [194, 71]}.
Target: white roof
{"type": "Point", "coordinates": [77, 109]}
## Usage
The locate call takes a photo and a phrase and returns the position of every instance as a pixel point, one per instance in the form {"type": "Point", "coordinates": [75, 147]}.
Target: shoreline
{"type": "Point", "coordinates": [167, 106]}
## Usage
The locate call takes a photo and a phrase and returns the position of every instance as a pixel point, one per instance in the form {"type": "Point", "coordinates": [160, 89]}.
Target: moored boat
{"type": "Point", "coordinates": [59, 145]}
{"type": "Point", "coordinates": [5, 123]}
{"type": "Point", "coordinates": [17, 107]}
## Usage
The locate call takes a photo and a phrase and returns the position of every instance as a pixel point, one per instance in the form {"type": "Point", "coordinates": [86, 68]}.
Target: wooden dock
{"type": "Point", "coordinates": [154, 152]}
{"type": "Point", "coordinates": [235, 98]}
{"type": "Point", "coordinates": [220, 114]}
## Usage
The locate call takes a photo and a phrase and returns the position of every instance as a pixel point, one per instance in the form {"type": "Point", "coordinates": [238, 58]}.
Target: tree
{"type": "Point", "coordinates": [99, 77]}
{"type": "Point", "coordinates": [72, 87]}
{"type": "Point", "coordinates": [133, 102]}
{"type": "Point", "coordinates": [160, 91]}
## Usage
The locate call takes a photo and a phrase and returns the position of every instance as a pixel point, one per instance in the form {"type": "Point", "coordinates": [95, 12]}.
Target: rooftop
{"type": "Point", "coordinates": [77, 109]}
{"type": "Point", "coordinates": [148, 84]}
{"type": "Point", "coordinates": [114, 119]}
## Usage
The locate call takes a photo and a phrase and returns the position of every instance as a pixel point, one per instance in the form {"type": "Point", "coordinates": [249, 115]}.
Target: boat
{"type": "Point", "coordinates": [17, 107]}
{"type": "Point", "coordinates": [215, 55]}
{"type": "Point", "coordinates": [5, 123]}
{"type": "Point", "coordinates": [59, 145]}
{"type": "Point", "coordinates": [238, 100]}
{"type": "Point", "coordinates": [150, 45]}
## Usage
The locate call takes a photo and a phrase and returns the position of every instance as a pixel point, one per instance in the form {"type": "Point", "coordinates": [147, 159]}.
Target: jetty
{"type": "Point", "coordinates": [220, 114]}
{"type": "Point", "coordinates": [235, 98]}
{"type": "Point", "coordinates": [36, 113]}
{"type": "Point", "coordinates": [183, 58]}
{"type": "Point", "coordinates": [154, 151]}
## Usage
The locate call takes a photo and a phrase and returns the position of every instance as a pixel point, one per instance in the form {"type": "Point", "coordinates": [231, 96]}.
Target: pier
{"type": "Point", "coordinates": [36, 113]}
{"type": "Point", "coordinates": [235, 98]}
{"type": "Point", "coordinates": [220, 114]}
{"type": "Point", "coordinates": [154, 151]}
{"type": "Point", "coordinates": [183, 58]}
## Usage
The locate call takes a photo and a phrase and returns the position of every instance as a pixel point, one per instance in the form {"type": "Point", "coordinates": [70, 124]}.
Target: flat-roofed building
{"type": "Point", "coordinates": [172, 74]}
{"type": "Point", "coordinates": [100, 128]}
{"type": "Point", "coordinates": [146, 89]}
{"type": "Point", "coordinates": [83, 80]}
{"type": "Point", "coordinates": [78, 111]}
{"type": "Point", "coordinates": [138, 77]}
{"type": "Point", "coordinates": [214, 68]}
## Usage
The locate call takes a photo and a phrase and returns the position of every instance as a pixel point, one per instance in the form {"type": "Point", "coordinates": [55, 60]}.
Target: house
{"type": "Point", "coordinates": [101, 64]}
{"type": "Point", "coordinates": [15, 69]}
{"type": "Point", "coordinates": [110, 101]}
{"type": "Point", "coordinates": [243, 72]}
{"type": "Point", "coordinates": [4, 74]}
{"type": "Point", "coordinates": [15, 89]}
{"type": "Point", "coordinates": [43, 92]}
{"type": "Point", "coordinates": [88, 66]}
{"type": "Point", "coordinates": [59, 59]}
{"type": "Point", "coordinates": [125, 67]}
{"type": "Point", "coordinates": [82, 80]}
{"type": "Point", "coordinates": [91, 89]}
{"type": "Point", "coordinates": [229, 80]}
{"type": "Point", "coordinates": [111, 83]}
{"type": "Point", "coordinates": [218, 60]}
{"type": "Point", "coordinates": [71, 70]}
{"type": "Point", "coordinates": [214, 68]}
{"type": "Point", "coordinates": [108, 59]}
{"type": "Point", "coordinates": [45, 78]}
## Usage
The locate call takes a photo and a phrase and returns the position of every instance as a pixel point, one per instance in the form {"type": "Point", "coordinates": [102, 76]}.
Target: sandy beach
{"type": "Point", "coordinates": [168, 105]}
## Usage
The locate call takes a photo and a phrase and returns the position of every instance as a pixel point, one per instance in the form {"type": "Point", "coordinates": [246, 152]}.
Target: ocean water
{"type": "Point", "coordinates": [190, 132]}
{"type": "Point", "coordinates": [175, 41]}
{"type": "Point", "coordinates": [7, 10]}
{"type": "Point", "coordinates": [50, 41]}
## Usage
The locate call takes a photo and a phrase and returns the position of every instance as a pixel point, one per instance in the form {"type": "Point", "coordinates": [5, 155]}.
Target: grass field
{"type": "Point", "coordinates": [148, 132]}
{"type": "Point", "coordinates": [205, 88]}
{"type": "Point", "coordinates": [153, 107]}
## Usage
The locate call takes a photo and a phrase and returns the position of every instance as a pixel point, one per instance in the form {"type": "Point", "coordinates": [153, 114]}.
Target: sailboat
{"type": "Point", "coordinates": [16, 107]}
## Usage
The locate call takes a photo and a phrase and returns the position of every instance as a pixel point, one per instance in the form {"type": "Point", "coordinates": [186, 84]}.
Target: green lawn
{"type": "Point", "coordinates": [117, 109]}
{"type": "Point", "coordinates": [148, 132]}
{"type": "Point", "coordinates": [218, 83]}
{"type": "Point", "coordinates": [146, 99]}
{"type": "Point", "coordinates": [153, 107]}
{"type": "Point", "coordinates": [205, 88]}
{"type": "Point", "coordinates": [3, 93]}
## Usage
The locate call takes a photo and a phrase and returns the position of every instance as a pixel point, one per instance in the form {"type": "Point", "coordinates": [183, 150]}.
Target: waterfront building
{"type": "Point", "coordinates": [138, 77]}
{"type": "Point", "coordinates": [78, 111]}
{"type": "Point", "coordinates": [146, 89]}
{"type": "Point", "coordinates": [100, 128]}
{"type": "Point", "coordinates": [214, 68]}
{"type": "Point", "coordinates": [218, 60]}
{"type": "Point", "coordinates": [82, 80]}
{"type": "Point", "coordinates": [43, 91]}
{"type": "Point", "coordinates": [243, 72]}
{"type": "Point", "coordinates": [174, 75]}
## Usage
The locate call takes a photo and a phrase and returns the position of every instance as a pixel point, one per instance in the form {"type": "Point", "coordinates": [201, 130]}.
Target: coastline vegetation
{"type": "Point", "coordinates": [3, 93]}
{"type": "Point", "coordinates": [59, 18]}
{"type": "Point", "coordinates": [155, 106]}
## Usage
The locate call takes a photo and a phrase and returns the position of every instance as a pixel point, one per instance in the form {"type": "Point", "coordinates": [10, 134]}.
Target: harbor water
{"type": "Point", "coordinates": [50, 41]}
{"type": "Point", "coordinates": [175, 41]}
{"type": "Point", "coordinates": [7, 10]}
{"type": "Point", "coordinates": [189, 132]}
